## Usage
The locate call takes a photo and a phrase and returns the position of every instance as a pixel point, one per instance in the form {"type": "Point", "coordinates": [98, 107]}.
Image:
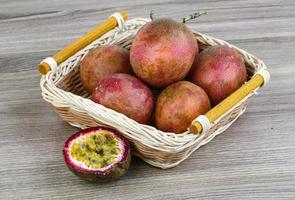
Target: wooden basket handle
{"type": "Point", "coordinates": [47, 64]}
{"type": "Point", "coordinates": [202, 123]}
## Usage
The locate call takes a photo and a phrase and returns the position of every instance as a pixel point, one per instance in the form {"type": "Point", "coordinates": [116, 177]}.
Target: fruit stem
{"type": "Point", "coordinates": [152, 15]}
{"type": "Point", "coordinates": [194, 16]}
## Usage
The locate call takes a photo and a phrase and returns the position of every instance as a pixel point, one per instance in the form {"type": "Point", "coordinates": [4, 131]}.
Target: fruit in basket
{"type": "Point", "coordinates": [97, 154]}
{"type": "Point", "coordinates": [163, 52]}
{"type": "Point", "coordinates": [125, 94]}
{"type": "Point", "coordinates": [219, 70]}
{"type": "Point", "coordinates": [101, 62]}
{"type": "Point", "coordinates": [178, 105]}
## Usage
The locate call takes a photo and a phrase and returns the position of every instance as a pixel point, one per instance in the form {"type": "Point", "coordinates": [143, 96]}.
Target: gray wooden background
{"type": "Point", "coordinates": [254, 159]}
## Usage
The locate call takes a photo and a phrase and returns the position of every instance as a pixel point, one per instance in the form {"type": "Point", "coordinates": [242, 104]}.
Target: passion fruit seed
{"type": "Point", "coordinates": [96, 150]}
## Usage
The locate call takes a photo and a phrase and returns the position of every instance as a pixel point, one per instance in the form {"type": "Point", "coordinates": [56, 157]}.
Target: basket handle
{"type": "Point", "coordinates": [51, 63]}
{"type": "Point", "coordinates": [202, 123]}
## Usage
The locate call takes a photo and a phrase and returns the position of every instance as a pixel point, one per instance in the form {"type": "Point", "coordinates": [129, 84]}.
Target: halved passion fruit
{"type": "Point", "coordinates": [97, 154]}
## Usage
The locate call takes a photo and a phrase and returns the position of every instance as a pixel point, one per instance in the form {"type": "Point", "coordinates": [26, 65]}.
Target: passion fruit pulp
{"type": "Point", "coordinates": [97, 154]}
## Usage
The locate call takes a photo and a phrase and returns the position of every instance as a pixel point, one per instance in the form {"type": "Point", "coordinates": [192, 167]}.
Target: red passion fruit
{"type": "Point", "coordinates": [219, 70]}
{"type": "Point", "coordinates": [178, 105]}
{"type": "Point", "coordinates": [163, 52]}
{"type": "Point", "coordinates": [97, 154]}
{"type": "Point", "coordinates": [101, 62]}
{"type": "Point", "coordinates": [125, 94]}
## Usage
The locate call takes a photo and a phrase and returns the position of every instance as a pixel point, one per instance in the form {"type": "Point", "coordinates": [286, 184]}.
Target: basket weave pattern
{"type": "Point", "coordinates": [64, 91]}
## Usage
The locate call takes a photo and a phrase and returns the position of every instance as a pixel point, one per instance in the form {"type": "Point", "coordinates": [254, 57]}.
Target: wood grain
{"type": "Point", "coordinates": [254, 159]}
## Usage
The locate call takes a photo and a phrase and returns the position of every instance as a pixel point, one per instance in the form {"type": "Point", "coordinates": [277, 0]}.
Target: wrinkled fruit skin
{"type": "Point", "coordinates": [178, 105]}
{"type": "Point", "coordinates": [163, 52]}
{"type": "Point", "coordinates": [125, 94]}
{"type": "Point", "coordinates": [102, 62]}
{"type": "Point", "coordinates": [219, 70]}
{"type": "Point", "coordinates": [116, 171]}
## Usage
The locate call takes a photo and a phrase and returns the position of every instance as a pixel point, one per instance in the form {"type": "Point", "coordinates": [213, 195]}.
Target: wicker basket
{"type": "Point", "coordinates": [63, 90]}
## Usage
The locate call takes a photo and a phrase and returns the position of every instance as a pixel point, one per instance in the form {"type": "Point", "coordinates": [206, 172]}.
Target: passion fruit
{"type": "Point", "coordinates": [125, 94]}
{"type": "Point", "coordinates": [102, 62]}
{"type": "Point", "coordinates": [163, 52]}
{"type": "Point", "coordinates": [219, 70]}
{"type": "Point", "coordinates": [178, 105]}
{"type": "Point", "coordinates": [97, 154]}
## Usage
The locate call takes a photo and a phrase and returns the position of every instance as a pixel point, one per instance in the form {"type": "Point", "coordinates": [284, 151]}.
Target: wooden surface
{"type": "Point", "coordinates": [253, 159]}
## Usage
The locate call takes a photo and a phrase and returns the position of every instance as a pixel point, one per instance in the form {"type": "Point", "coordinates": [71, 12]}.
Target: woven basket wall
{"type": "Point", "coordinates": [63, 90]}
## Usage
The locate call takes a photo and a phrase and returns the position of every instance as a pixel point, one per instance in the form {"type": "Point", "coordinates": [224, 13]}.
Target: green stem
{"type": "Point", "coordinates": [152, 15]}
{"type": "Point", "coordinates": [194, 16]}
